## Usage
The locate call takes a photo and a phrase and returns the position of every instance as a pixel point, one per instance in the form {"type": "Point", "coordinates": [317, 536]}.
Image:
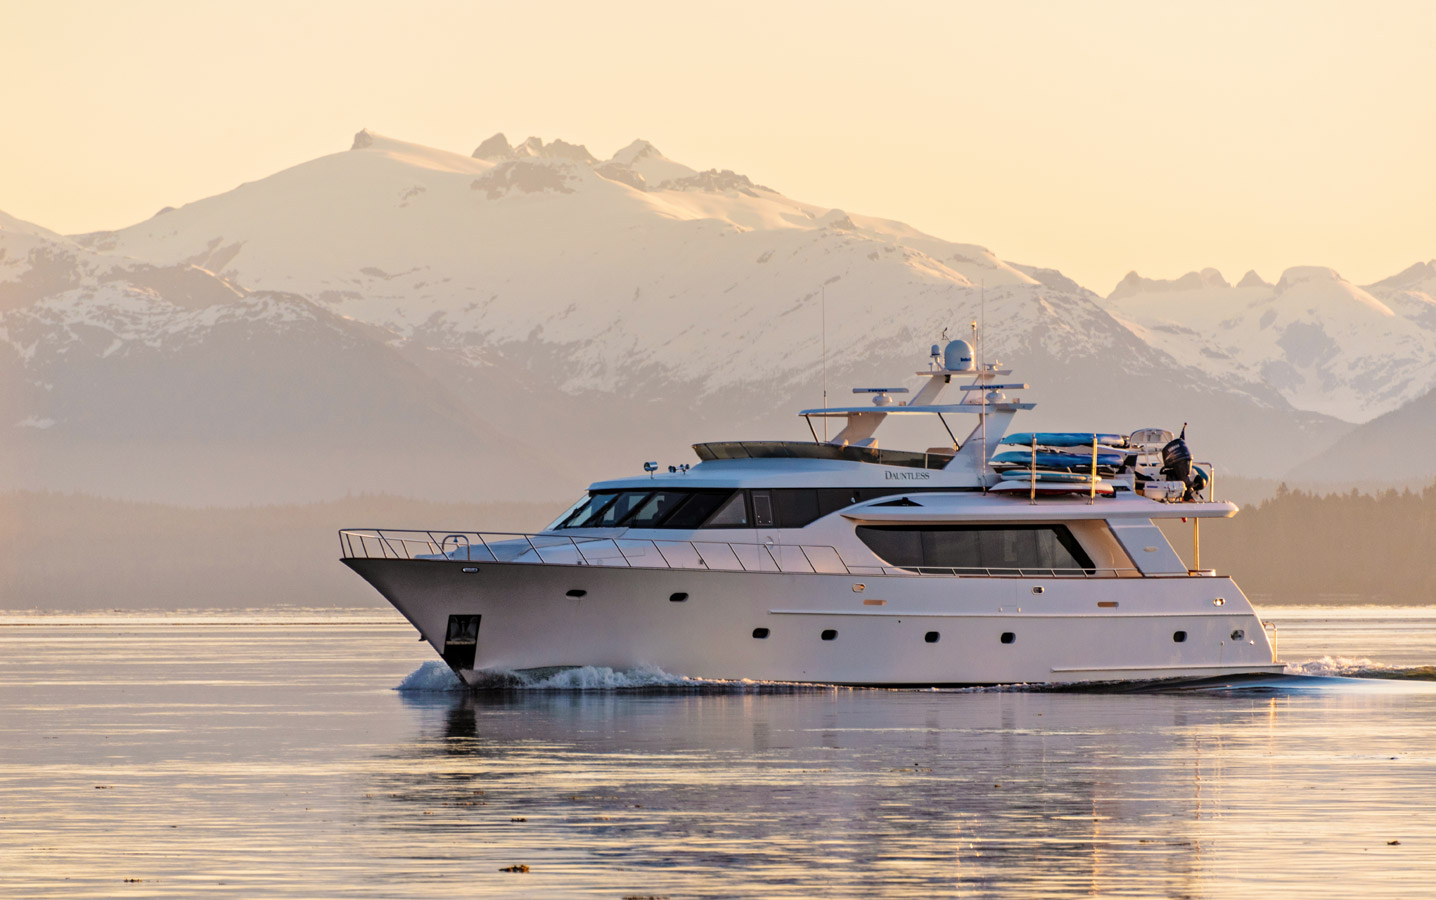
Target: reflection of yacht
{"type": "Point", "coordinates": [836, 561]}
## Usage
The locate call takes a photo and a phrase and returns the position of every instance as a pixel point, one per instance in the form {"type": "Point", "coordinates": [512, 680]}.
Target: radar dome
{"type": "Point", "coordinates": [958, 357]}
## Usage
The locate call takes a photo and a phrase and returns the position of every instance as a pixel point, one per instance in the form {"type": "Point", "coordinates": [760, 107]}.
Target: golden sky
{"type": "Point", "coordinates": [1090, 137]}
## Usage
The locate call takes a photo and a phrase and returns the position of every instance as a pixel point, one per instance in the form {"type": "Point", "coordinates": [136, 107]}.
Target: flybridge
{"type": "Point", "coordinates": [984, 397]}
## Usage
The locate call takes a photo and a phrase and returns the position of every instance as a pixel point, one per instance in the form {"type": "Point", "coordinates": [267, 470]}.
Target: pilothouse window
{"type": "Point", "coordinates": [694, 511]}
{"type": "Point", "coordinates": [733, 514]}
{"type": "Point", "coordinates": [658, 505]}
{"type": "Point", "coordinates": [611, 514]}
{"type": "Point", "coordinates": [580, 506]}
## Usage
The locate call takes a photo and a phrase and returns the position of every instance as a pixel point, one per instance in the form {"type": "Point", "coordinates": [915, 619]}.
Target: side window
{"type": "Point", "coordinates": [623, 504]}
{"type": "Point", "coordinates": [653, 510]}
{"type": "Point", "coordinates": [696, 509]}
{"type": "Point", "coordinates": [796, 507]}
{"type": "Point", "coordinates": [831, 500]}
{"type": "Point", "coordinates": [1011, 548]}
{"type": "Point", "coordinates": [733, 514]}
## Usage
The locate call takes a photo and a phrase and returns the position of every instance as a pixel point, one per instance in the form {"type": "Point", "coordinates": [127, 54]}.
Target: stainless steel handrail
{"type": "Point", "coordinates": [530, 549]}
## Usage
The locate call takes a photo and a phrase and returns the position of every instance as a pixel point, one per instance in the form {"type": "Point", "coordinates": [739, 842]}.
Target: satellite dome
{"type": "Point", "coordinates": [958, 357]}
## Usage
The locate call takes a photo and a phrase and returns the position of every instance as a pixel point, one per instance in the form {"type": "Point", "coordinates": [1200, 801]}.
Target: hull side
{"type": "Point", "coordinates": [989, 630]}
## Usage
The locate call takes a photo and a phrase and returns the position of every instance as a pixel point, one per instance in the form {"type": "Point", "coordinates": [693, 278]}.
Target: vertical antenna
{"type": "Point", "coordinates": [981, 371]}
{"type": "Point", "coordinates": [982, 399]}
{"type": "Point", "coordinates": [824, 307]}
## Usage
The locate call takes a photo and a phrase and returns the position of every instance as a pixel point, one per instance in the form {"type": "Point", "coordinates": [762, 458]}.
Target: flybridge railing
{"type": "Point", "coordinates": [643, 553]}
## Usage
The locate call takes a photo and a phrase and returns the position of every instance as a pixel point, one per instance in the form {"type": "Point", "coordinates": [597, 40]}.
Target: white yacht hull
{"type": "Point", "coordinates": [1071, 630]}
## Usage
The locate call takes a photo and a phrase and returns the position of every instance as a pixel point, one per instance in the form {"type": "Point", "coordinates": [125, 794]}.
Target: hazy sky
{"type": "Point", "coordinates": [1092, 137]}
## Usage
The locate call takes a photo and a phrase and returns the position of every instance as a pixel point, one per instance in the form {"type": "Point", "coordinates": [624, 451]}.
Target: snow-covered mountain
{"type": "Point", "coordinates": [570, 317]}
{"type": "Point", "coordinates": [1325, 344]}
{"type": "Point", "coordinates": [171, 383]}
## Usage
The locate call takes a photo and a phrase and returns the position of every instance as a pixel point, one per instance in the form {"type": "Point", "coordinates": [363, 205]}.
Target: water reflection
{"type": "Point", "coordinates": [290, 769]}
{"type": "Point", "coordinates": [910, 793]}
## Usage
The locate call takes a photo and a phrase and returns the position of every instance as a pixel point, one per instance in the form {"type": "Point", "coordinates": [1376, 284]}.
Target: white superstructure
{"type": "Point", "coordinates": [842, 562]}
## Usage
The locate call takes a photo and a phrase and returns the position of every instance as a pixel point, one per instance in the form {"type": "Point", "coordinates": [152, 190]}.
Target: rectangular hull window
{"type": "Point", "coordinates": [978, 548]}
{"type": "Point", "coordinates": [461, 642]}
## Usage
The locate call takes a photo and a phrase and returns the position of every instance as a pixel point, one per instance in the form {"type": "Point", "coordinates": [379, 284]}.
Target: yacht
{"type": "Point", "coordinates": [996, 558]}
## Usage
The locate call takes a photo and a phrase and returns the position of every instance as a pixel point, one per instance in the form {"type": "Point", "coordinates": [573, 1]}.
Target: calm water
{"type": "Point", "coordinates": [271, 757]}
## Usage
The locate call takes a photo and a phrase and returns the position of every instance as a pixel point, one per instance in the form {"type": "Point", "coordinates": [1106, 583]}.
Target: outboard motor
{"type": "Point", "coordinates": [1177, 464]}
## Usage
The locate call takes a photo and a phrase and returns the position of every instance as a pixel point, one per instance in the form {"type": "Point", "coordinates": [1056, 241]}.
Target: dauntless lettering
{"type": "Point", "coordinates": [906, 476]}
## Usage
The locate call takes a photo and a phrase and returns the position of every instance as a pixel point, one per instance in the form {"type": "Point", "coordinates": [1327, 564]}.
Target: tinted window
{"type": "Point", "coordinates": [795, 507]}
{"type": "Point", "coordinates": [575, 512]}
{"type": "Point", "coordinates": [733, 514]}
{"type": "Point", "coordinates": [655, 508]}
{"type": "Point", "coordinates": [694, 511]}
{"type": "Point", "coordinates": [595, 505]}
{"type": "Point", "coordinates": [611, 514]}
{"type": "Point", "coordinates": [1011, 547]}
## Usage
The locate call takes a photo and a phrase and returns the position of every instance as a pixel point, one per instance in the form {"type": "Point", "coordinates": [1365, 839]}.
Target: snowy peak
{"type": "Point", "coordinates": [559, 149]}
{"type": "Point", "coordinates": [369, 145]}
{"type": "Point", "coordinates": [1252, 280]}
{"type": "Point", "coordinates": [1419, 276]}
{"type": "Point", "coordinates": [495, 148]}
{"type": "Point", "coordinates": [643, 160]}
{"type": "Point", "coordinates": [1050, 278]}
{"type": "Point", "coordinates": [1136, 284]}
{"type": "Point", "coordinates": [1321, 288]}
{"type": "Point", "coordinates": [1322, 342]}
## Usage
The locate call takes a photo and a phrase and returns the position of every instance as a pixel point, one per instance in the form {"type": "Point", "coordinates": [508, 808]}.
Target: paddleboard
{"type": "Point", "coordinates": [1045, 475]}
{"type": "Point", "coordinates": [1051, 459]}
{"type": "Point", "coordinates": [1066, 439]}
{"type": "Point", "coordinates": [1049, 488]}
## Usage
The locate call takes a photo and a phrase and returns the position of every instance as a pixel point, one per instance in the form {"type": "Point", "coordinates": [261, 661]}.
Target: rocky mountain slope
{"type": "Point", "coordinates": [1394, 447]}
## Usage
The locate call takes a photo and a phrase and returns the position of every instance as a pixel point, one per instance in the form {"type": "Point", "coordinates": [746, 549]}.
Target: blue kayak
{"type": "Point", "coordinates": [1066, 439]}
{"type": "Point", "coordinates": [1051, 459]}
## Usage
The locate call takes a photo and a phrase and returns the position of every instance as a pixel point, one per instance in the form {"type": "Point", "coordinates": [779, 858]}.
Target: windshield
{"type": "Point", "coordinates": [572, 512]}
{"type": "Point", "coordinates": [610, 514]}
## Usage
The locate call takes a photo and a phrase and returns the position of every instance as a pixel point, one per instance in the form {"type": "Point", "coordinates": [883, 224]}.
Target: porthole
{"type": "Point", "coordinates": [576, 592]}
{"type": "Point", "coordinates": [760, 633]}
{"type": "Point", "coordinates": [932, 637]}
{"type": "Point", "coordinates": [1238, 634]}
{"type": "Point", "coordinates": [677, 598]}
{"type": "Point", "coordinates": [1179, 636]}
{"type": "Point", "coordinates": [829, 634]}
{"type": "Point", "coordinates": [1008, 637]}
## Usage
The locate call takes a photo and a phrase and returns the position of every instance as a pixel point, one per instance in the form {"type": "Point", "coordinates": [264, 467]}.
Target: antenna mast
{"type": "Point", "coordinates": [824, 308]}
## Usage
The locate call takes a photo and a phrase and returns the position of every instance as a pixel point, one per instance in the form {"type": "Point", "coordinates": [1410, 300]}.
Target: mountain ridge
{"type": "Point", "coordinates": [606, 311]}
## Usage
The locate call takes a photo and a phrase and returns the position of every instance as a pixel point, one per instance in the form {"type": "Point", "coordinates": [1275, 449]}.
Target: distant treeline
{"type": "Point", "coordinates": [76, 552]}
{"type": "Point", "coordinates": [1299, 547]}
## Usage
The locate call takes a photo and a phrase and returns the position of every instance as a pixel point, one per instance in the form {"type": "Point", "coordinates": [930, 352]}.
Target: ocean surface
{"type": "Point", "coordinates": [262, 755]}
